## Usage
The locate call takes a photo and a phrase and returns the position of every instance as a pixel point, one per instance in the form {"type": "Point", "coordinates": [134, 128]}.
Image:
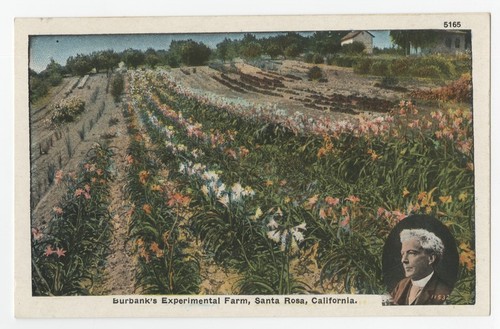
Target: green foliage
{"type": "Point", "coordinates": [354, 48]}
{"type": "Point", "coordinates": [133, 58]}
{"type": "Point", "coordinates": [164, 265]}
{"type": "Point", "coordinates": [67, 256]}
{"type": "Point", "coordinates": [408, 39]}
{"type": "Point", "coordinates": [79, 65]}
{"type": "Point", "coordinates": [314, 58]}
{"type": "Point", "coordinates": [152, 59]}
{"type": "Point", "coordinates": [315, 73]}
{"type": "Point", "coordinates": [40, 83]}
{"type": "Point", "coordinates": [189, 52]}
{"type": "Point", "coordinates": [66, 110]}
{"type": "Point", "coordinates": [430, 66]}
{"type": "Point", "coordinates": [251, 50]}
{"type": "Point", "coordinates": [343, 61]}
{"type": "Point", "coordinates": [326, 42]}
{"type": "Point", "coordinates": [363, 66]}
{"type": "Point", "coordinates": [117, 86]}
{"type": "Point", "coordinates": [38, 86]}
{"type": "Point", "coordinates": [380, 68]}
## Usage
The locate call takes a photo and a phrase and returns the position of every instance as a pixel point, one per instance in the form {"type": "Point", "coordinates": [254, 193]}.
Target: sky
{"type": "Point", "coordinates": [60, 47]}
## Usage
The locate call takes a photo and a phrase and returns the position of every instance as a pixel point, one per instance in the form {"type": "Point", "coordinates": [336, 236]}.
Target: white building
{"type": "Point", "coordinates": [364, 37]}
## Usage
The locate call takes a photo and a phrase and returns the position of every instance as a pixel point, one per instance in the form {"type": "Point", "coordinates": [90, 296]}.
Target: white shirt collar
{"type": "Point", "coordinates": [422, 282]}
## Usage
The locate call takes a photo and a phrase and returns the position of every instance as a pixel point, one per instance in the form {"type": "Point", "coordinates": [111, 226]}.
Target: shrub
{"type": "Point", "coordinates": [113, 121]}
{"type": "Point", "coordinates": [431, 71]}
{"type": "Point", "coordinates": [314, 58]}
{"type": "Point", "coordinates": [400, 66]}
{"type": "Point", "coordinates": [315, 73]}
{"type": "Point", "coordinates": [354, 48]}
{"type": "Point", "coordinates": [443, 64]}
{"type": "Point", "coordinates": [345, 61]}
{"type": "Point", "coordinates": [458, 91]}
{"type": "Point", "coordinates": [363, 66]}
{"type": "Point", "coordinates": [380, 68]}
{"type": "Point", "coordinates": [55, 79]}
{"type": "Point", "coordinates": [389, 81]}
{"type": "Point", "coordinates": [67, 110]}
{"type": "Point", "coordinates": [117, 87]}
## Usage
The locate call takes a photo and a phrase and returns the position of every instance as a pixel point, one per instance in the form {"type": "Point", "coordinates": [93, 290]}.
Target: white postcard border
{"type": "Point", "coordinates": [367, 305]}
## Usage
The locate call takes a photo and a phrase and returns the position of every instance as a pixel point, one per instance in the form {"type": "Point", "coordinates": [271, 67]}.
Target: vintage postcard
{"type": "Point", "coordinates": [252, 166]}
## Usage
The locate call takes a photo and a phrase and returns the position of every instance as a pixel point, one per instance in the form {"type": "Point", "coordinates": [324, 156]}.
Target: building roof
{"type": "Point", "coordinates": [352, 34]}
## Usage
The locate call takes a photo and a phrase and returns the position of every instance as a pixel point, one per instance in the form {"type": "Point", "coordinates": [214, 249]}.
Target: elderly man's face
{"type": "Point", "coordinates": [416, 262]}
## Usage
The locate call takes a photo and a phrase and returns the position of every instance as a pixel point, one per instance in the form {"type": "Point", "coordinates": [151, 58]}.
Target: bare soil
{"type": "Point", "coordinates": [341, 95]}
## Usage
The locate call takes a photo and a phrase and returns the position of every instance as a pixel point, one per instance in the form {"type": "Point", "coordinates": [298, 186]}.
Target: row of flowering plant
{"type": "Point", "coordinates": [226, 219]}
{"type": "Point", "coordinates": [157, 218]}
{"type": "Point", "coordinates": [69, 252]}
{"type": "Point", "coordinates": [350, 181]}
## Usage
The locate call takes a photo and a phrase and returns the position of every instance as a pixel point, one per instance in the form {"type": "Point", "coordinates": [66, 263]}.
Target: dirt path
{"type": "Point", "coordinates": [119, 271]}
{"type": "Point", "coordinates": [118, 277]}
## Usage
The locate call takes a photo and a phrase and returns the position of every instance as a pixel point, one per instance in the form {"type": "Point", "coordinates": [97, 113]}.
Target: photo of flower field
{"type": "Point", "coordinates": [246, 164]}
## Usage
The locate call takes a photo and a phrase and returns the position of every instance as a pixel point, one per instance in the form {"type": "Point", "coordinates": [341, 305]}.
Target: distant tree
{"type": "Point", "coordinates": [248, 38]}
{"type": "Point", "coordinates": [105, 60]}
{"type": "Point", "coordinates": [273, 50]}
{"type": "Point", "coordinates": [408, 39]}
{"type": "Point", "coordinates": [53, 73]}
{"type": "Point", "coordinates": [38, 87]}
{"type": "Point", "coordinates": [326, 42]}
{"type": "Point", "coordinates": [227, 49]}
{"type": "Point", "coordinates": [151, 58]}
{"type": "Point", "coordinates": [292, 51]}
{"type": "Point", "coordinates": [189, 52]}
{"type": "Point", "coordinates": [133, 58]}
{"type": "Point", "coordinates": [79, 65]}
{"type": "Point", "coordinates": [251, 50]}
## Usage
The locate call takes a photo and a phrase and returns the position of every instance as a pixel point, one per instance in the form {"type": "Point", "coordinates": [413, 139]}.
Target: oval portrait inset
{"type": "Point", "coordinates": [420, 262]}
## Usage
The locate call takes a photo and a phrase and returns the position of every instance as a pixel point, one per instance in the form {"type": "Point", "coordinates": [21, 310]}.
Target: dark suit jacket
{"type": "Point", "coordinates": [435, 292]}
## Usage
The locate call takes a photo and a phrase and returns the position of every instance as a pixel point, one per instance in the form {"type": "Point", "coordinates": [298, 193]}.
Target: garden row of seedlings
{"type": "Point", "coordinates": [46, 145]}
{"type": "Point", "coordinates": [68, 254]}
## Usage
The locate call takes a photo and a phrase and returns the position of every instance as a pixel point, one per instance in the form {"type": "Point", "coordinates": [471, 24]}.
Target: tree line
{"type": "Point", "coordinates": [314, 47]}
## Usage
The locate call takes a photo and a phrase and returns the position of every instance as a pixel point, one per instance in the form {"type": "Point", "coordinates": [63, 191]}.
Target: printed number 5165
{"type": "Point", "coordinates": [452, 24]}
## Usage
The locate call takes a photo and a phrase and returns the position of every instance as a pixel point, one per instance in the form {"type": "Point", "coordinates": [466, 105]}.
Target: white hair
{"type": "Point", "coordinates": [428, 240]}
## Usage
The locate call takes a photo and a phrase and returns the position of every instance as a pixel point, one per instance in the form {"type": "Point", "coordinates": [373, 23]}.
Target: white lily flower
{"type": "Point", "coordinates": [224, 200]}
{"type": "Point", "coordinates": [301, 227]}
{"type": "Point", "coordinates": [272, 224]}
{"type": "Point", "coordinates": [204, 189]}
{"type": "Point", "coordinates": [274, 235]}
{"type": "Point", "coordinates": [297, 235]}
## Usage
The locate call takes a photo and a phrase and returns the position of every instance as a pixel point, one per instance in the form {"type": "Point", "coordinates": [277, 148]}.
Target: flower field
{"type": "Point", "coordinates": [291, 203]}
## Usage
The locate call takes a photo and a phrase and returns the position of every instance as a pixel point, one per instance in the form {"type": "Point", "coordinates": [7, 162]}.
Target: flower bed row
{"type": "Point", "coordinates": [67, 255]}
{"type": "Point", "coordinates": [348, 182]}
